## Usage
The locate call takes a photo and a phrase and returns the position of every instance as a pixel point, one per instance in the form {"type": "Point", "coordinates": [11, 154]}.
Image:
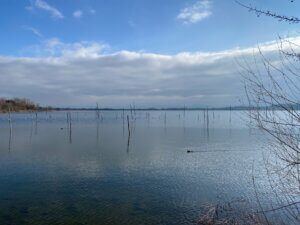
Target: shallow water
{"type": "Point", "coordinates": [95, 173]}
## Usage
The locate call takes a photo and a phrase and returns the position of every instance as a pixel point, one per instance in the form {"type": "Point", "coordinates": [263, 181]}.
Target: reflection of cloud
{"type": "Point", "coordinates": [196, 12]}
{"type": "Point", "coordinates": [80, 74]}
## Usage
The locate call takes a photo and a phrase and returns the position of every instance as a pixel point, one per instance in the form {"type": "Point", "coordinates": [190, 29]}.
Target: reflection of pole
{"type": "Point", "coordinates": [128, 143]}
{"type": "Point", "coordinates": [31, 131]}
{"type": "Point", "coordinates": [97, 132]}
{"type": "Point", "coordinates": [9, 141]}
{"type": "Point", "coordinates": [9, 120]}
{"type": "Point", "coordinates": [35, 125]}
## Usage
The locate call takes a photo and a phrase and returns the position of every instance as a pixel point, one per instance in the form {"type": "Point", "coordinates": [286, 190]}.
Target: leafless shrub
{"type": "Point", "coordinates": [230, 213]}
{"type": "Point", "coordinates": [272, 87]}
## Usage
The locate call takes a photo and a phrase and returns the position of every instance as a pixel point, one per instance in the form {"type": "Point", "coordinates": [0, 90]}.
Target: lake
{"type": "Point", "coordinates": [91, 171]}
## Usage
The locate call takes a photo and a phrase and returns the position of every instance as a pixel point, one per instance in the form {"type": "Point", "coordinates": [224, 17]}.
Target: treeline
{"type": "Point", "coordinates": [20, 105]}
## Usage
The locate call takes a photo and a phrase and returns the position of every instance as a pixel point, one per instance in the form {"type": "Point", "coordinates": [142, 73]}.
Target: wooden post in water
{"type": "Point", "coordinates": [128, 125]}
{"type": "Point", "coordinates": [69, 121]}
{"type": "Point", "coordinates": [204, 118]}
{"type": "Point", "coordinates": [97, 111]}
{"type": "Point", "coordinates": [70, 136]}
{"type": "Point", "coordinates": [123, 120]}
{"type": "Point", "coordinates": [230, 114]}
{"type": "Point", "coordinates": [207, 118]}
{"type": "Point", "coordinates": [128, 138]}
{"type": "Point", "coordinates": [10, 130]}
{"type": "Point", "coordinates": [207, 122]}
{"type": "Point", "coordinates": [148, 115]}
{"type": "Point", "coordinates": [134, 110]}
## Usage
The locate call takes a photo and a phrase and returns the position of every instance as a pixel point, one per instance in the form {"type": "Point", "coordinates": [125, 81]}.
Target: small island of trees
{"type": "Point", "coordinates": [20, 105]}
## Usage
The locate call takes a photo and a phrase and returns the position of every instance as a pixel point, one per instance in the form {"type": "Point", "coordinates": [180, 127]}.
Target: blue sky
{"type": "Point", "coordinates": [138, 29]}
{"type": "Point", "coordinates": [140, 25]}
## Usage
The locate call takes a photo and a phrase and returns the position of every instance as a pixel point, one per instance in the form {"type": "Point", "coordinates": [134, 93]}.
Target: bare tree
{"type": "Point", "coordinates": [279, 17]}
{"type": "Point", "coordinates": [273, 94]}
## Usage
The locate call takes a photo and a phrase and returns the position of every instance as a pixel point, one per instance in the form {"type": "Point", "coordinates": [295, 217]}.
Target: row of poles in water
{"type": "Point", "coordinates": [128, 120]}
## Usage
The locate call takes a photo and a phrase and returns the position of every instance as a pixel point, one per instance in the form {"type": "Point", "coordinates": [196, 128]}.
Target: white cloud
{"type": "Point", "coordinates": [33, 30]}
{"type": "Point", "coordinates": [80, 74]}
{"type": "Point", "coordinates": [77, 14]}
{"type": "Point", "coordinates": [196, 12]}
{"type": "Point", "coordinates": [92, 11]}
{"type": "Point", "coordinates": [54, 47]}
{"type": "Point", "coordinates": [43, 5]}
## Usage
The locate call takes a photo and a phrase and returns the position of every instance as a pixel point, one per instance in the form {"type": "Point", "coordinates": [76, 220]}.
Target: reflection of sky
{"type": "Point", "coordinates": [155, 167]}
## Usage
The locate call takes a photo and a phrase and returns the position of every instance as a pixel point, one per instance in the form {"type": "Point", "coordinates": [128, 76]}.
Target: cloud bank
{"type": "Point", "coordinates": [81, 74]}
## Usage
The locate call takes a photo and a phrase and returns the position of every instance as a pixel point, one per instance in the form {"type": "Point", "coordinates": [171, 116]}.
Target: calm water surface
{"type": "Point", "coordinates": [94, 173]}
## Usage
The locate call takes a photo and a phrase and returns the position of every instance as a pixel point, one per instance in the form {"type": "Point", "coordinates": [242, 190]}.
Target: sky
{"type": "Point", "coordinates": [150, 53]}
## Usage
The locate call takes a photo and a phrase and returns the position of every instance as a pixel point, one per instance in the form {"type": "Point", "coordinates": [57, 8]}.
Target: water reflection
{"type": "Point", "coordinates": [36, 124]}
{"type": "Point", "coordinates": [10, 139]}
{"type": "Point", "coordinates": [54, 179]}
{"type": "Point", "coordinates": [97, 131]}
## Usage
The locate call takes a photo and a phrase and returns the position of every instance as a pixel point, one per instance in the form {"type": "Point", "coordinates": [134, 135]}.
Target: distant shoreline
{"type": "Point", "coordinates": [143, 109]}
{"type": "Point", "coordinates": [50, 109]}
{"type": "Point", "coordinates": [25, 105]}
{"type": "Point", "coordinates": [228, 108]}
